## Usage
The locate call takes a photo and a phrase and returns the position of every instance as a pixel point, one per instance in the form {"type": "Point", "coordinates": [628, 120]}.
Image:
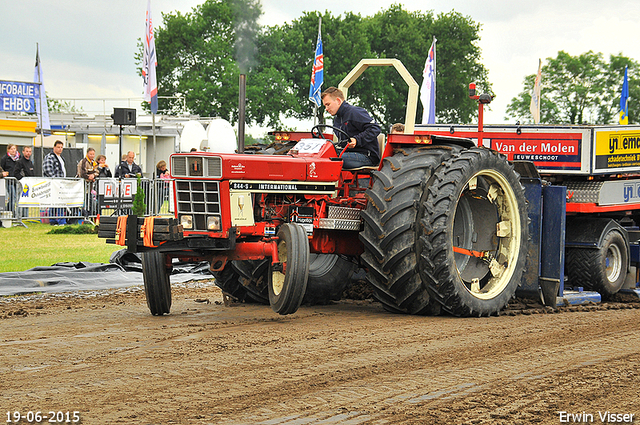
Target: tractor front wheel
{"type": "Point", "coordinates": [288, 278]}
{"type": "Point", "coordinates": [157, 286]}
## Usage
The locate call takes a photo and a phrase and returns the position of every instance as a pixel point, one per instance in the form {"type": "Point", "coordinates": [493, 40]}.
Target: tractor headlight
{"type": "Point", "coordinates": [186, 221]}
{"type": "Point", "coordinates": [213, 223]}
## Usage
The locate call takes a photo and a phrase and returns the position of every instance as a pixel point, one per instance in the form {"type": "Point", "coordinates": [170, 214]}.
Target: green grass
{"type": "Point", "coordinates": [24, 248]}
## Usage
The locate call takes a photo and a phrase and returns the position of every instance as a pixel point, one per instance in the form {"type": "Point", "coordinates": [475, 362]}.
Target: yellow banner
{"type": "Point", "coordinates": [617, 142]}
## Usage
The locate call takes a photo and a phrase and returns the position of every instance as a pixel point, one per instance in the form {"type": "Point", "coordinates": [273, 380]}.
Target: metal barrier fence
{"type": "Point", "coordinates": [102, 197]}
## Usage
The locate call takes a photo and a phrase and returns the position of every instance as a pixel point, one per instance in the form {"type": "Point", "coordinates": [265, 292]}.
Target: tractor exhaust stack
{"type": "Point", "coordinates": [241, 112]}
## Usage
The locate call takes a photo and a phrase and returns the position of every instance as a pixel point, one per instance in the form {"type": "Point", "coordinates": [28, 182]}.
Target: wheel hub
{"type": "Point", "coordinates": [483, 234]}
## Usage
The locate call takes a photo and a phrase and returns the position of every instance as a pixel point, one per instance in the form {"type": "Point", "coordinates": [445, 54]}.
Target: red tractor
{"type": "Point", "coordinates": [440, 224]}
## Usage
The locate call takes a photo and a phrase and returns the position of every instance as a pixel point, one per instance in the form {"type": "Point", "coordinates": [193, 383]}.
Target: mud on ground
{"type": "Point", "coordinates": [102, 354]}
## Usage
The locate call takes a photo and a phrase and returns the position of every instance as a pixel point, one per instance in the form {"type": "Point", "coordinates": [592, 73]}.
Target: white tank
{"type": "Point", "coordinates": [221, 137]}
{"type": "Point", "coordinates": [193, 135]}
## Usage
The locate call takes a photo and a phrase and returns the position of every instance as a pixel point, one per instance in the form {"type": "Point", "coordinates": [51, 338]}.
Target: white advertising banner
{"type": "Point", "coordinates": [48, 192]}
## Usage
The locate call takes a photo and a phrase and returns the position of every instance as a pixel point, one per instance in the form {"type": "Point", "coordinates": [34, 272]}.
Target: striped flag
{"type": "Point", "coordinates": [149, 63]}
{"type": "Point", "coordinates": [317, 73]}
{"type": "Point", "coordinates": [534, 108]}
{"type": "Point", "coordinates": [428, 89]}
{"type": "Point", "coordinates": [37, 78]}
{"type": "Point", "coordinates": [624, 100]}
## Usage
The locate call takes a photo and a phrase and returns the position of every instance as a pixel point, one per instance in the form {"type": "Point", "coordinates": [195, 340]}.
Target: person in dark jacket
{"type": "Point", "coordinates": [54, 166]}
{"type": "Point", "coordinates": [8, 161]}
{"type": "Point", "coordinates": [8, 164]}
{"type": "Point", "coordinates": [362, 148]}
{"type": "Point", "coordinates": [24, 166]}
{"type": "Point", "coordinates": [103, 168]}
{"type": "Point", "coordinates": [128, 168]}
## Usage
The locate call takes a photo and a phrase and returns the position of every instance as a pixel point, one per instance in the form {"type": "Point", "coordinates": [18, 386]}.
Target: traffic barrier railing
{"type": "Point", "coordinates": [74, 200]}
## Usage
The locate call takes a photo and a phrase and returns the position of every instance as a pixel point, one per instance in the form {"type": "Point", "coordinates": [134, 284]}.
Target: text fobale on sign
{"type": "Point", "coordinates": [18, 97]}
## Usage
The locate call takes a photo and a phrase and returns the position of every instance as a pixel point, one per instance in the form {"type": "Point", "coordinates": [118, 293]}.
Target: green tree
{"type": "Point", "coordinates": [139, 207]}
{"type": "Point", "coordinates": [582, 89]}
{"type": "Point", "coordinates": [286, 55]}
{"type": "Point", "coordinates": [393, 33]}
{"type": "Point", "coordinates": [200, 54]}
{"type": "Point", "coordinates": [199, 60]}
{"type": "Point", "coordinates": [407, 36]}
{"type": "Point", "coordinates": [61, 106]}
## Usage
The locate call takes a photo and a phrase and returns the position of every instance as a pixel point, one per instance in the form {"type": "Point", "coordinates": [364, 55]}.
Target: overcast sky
{"type": "Point", "coordinates": [87, 47]}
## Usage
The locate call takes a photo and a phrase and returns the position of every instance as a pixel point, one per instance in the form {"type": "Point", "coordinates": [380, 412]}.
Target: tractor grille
{"type": "Point", "coordinates": [196, 166]}
{"type": "Point", "coordinates": [199, 199]}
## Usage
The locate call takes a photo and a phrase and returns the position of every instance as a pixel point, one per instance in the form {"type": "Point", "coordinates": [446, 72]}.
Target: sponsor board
{"type": "Point", "coordinates": [617, 150]}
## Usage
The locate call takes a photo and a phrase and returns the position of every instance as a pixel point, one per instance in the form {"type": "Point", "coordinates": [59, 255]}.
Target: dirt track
{"type": "Point", "coordinates": [348, 363]}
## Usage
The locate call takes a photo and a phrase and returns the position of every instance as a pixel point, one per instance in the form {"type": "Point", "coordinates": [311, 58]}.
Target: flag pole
{"type": "Point", "coordinates": [40, 103]}
{"type": "Point", "coordinates": [435, 62]}
{"type": "Point", "coordinates": [315, 107]}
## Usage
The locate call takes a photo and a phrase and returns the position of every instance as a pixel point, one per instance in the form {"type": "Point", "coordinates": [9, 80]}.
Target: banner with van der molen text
{"type": "Point", "coordinates": [16, 96]}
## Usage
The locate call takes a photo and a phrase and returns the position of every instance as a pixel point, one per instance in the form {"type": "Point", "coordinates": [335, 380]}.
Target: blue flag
{"type": "Point", "coordinates": [624, 100]}
{"type": "Point", "coordinates": [317, 74]}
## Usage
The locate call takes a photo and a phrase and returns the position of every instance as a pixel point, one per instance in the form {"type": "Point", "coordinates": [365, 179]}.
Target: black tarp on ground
{"type": "Point", "coordinates": [124, 270]}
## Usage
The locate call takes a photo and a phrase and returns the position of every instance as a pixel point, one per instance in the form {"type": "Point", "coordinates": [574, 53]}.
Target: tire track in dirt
{"type": "Point", "coordinates": [443, 380]}
{"type": "Point", "coordinates": [343, 363]}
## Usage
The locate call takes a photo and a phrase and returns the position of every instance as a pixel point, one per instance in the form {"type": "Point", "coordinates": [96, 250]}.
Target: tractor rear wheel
{"type": "Point", "coordinates": [253, 275]}
{"type": "Point", "coordinates": [329, 275]}
{"type": "Point", "coordinates": [288, 278]}
{"type": "Point", "coordinates": [389, 234]}
{"type": "Point", "coordinates": [157, 287]}
{"type": "Point", "coordinates": [231, 282]}
{"type": "Point", "coordinates": [473, 233]}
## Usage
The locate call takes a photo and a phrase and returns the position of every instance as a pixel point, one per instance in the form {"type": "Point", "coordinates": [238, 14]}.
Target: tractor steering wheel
{"type": "Point", "coordinates": [317, 134]}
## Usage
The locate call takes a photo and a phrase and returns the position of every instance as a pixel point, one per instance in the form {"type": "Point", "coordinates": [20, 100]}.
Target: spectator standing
{"type": "Point", "coordinates": [24, 165]}
{"type": "Point", "coordinates": [103, 168]}
{"type": "Point", "coordinates": [88, 170]}
{"type": "Point", "coordinates": [128, 168]}
{"type": "Point", "coordinates": [53, 166]}
{"type": "Point", "coordinates": [161, 170]}
{"type": "Point", "coordinates": [24, 168]}
{"type": "Point", "coordinates": [162, 185]}
{"type": "Point", "coordinates": [88, 167]}
{"type": "Point", "coordinates": [8, 164]}
{"type": "Point", "coordinates": [8, 161]}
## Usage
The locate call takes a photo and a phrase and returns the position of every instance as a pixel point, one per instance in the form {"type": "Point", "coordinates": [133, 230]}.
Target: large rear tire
{"type": "Point", "coordinates": [157, 287]}
{"type": "Point", "coordinates": [232, 283]}
{"type": "Point", "coordinates": [473, 233]}
{"type": "Point", "coordinates": [389, 234]}
{"type": "Point", "coordinates": [603, 270]}
{"type": "Point", "coordinates": [288, 284]}
{"type": "Point", "coordinates": [329, 275]}
{"type": "Point", "coordinates": [253, 276]}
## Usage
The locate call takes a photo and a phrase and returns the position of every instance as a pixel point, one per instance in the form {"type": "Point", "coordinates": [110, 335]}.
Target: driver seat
{"type": "Point", "coordinates": [381, 145]}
